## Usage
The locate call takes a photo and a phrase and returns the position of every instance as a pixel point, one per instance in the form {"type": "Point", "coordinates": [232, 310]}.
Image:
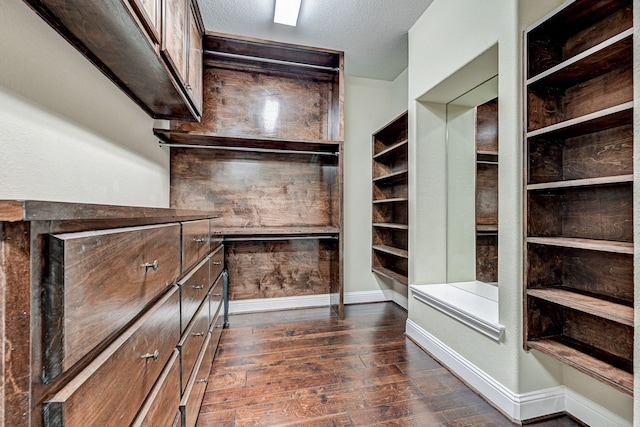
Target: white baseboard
{"type": "Point", "coordinates": [590, 412]}
{"type": "Point", "coordinates": [284, 303]}
{"type": "Point", "coordinates": [519, 407]}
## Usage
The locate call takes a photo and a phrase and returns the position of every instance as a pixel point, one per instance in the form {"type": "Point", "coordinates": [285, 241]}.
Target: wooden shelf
{"type": "Point", "coordinates": [394, 176]}
{"type": "Point", "coordinates": [594, 367]}
{"type": "Point", "coordinates": [391, 274]}
{"type": "Point", "coordinates": [391, 225]}
{"type": "Point", "coordinates": [402, 253]}
{"type": "Point", "coordinates": [394, 200]}
{"type": "Point", "coordinates": [598, 307]}
{"type": "Point", "coordinates": [486, 228]}
{"type": "Point", "coordinates": [277, 231]}
{"type": "Point", "coordinates": [609, 55]}
{"type": "Point", "coordinates": [588, 182]}
{"type": "Point", "coordinates": [600, 120]}
{"type": "Point", "coordinates": [197, 139]}
{"type": "Point", "coordinates": [587, 244]}
{"type": "Point", "coordinates": [390, 151]}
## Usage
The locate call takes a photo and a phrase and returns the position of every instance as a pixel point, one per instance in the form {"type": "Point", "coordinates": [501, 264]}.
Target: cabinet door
{"type": "Point", "coordinates": [149, 13]}
{"type": "Point", "coordinates": [194, 83]}
{"type": "Point", "coordinates": [174, 36]}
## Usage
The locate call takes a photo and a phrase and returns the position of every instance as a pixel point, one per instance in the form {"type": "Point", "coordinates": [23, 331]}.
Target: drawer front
{"type": "Point", "coordinates": [217, 262]}
{"type": "Point", "coordinates": [112, 388]}
{"type": "Point", "coordinates": [195, 242]}
{"type": "Point", "coordinates": [191, 342]}
{"type": "Point", "coordinates": [193, 290]}
{"type": "Point", "coordinates": [159, 409]}
{"type": "Point", "coordinates": [98, 282]}
{"type": "Point", "coordinates": [215, 298]}
{"type": "Point", "coordinates": [215, 331]}
{"type": "Point", "coordinates": [192, 398]}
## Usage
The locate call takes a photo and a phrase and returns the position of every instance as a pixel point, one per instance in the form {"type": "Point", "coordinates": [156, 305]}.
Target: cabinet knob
{"type": "Point", "coordinates": [217, 262]}
{"type": "Point", "coordinates": [198, 334]}
{"type": "Point", "coordinates": [198, 287]}
{"type": "Point", "coordinates": [153, 355]}
{"type": "Point", "coordinates": [200, 240]}
{"type": "Point", "coordinates": [153, 265]}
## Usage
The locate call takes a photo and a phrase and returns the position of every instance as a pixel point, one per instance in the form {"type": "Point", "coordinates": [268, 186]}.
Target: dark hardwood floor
{"type": "Point", "coordinates": [307, 368]}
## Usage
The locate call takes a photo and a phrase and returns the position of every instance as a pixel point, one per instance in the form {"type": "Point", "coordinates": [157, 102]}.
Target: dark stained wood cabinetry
{"type": "Point", "coordinates": [151, 49]}
{"type": "Point", "coordinates": [266, 154]}
{"type": "Point", "coordinates": [579, 189]}
{"type": "Point", "coordinates": [390, 251]}
{"type": "Point", "coordinates": [105, 294]}
{"type": "Point", "coordinates": [487, 192]}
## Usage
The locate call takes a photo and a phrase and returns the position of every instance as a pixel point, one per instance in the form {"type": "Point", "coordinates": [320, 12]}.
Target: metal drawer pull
{"type": "Point", "coordinates": [217, 295]}
{"type": "Point", "coordinates": [153, 355]}
{"type": "Point", "coordinates": [202, 380]}
{"type": "Point", "coordinates": [217, 262]}
{"type": "Point", "coordinates": [198, 334]}
{"type": "Point", "coordinates": [153, 265]}
{"type": "Point", "coordinates": [219, 326]}
{"type": "Point", "coordinates": [200, 240]}
{"type": "Point", "coordinates": [198, 286]}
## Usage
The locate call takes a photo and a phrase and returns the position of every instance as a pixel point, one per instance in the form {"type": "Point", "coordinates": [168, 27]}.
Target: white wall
{"type": "Point", "coordinates": [66, 132]}
{"type": "Point", "coordinates": [473, 28]}
{"type": "Point", "coordinates": [369, 105]}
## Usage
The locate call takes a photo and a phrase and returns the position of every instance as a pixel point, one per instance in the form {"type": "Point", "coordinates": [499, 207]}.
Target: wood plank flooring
{"type": "Point", "coordinates": [308, 368]}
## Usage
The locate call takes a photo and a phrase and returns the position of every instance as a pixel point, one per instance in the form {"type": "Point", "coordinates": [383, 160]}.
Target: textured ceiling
{"type": "Point", "coordinates": [372, 33]}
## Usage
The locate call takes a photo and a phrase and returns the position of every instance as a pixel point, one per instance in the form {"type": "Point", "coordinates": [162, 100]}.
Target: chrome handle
{"type": "Point", "coordinates": [149, 265]}
{"type": "Point", "coordinates": [202, 380]}
{"type": "Point", "coordinates": [198, 334]}
{"type": "Point", "coordinates": [200, 240]}
{"type": "Point", "coordinates": [219, 326]}
{"type": "Point", "coordinates": [217, 262]}
{"type": "Point", "coordinates": [217, 295]}
{"type": "Point", "coordinates": [198, 287]}
{"type": "Point", "coordinates": [153, 355]}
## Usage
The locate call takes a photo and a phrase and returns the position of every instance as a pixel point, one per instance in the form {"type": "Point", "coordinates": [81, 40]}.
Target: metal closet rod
{"type": "Point", "coordinates": [272, 61]}
{"type": "Point", "coordinates": [250, 149]}
{"type": "Point", "coordinates": [277, 238]}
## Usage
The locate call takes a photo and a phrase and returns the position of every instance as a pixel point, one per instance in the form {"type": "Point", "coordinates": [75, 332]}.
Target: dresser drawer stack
{"type": "Point", "coordinates": [126, 309]}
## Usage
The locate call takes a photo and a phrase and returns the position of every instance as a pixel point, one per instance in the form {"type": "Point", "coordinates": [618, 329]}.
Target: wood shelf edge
{"type": "Point", "coordinates": [586, 364]}
{"type": "Point", "coordinates": [391, 176]}
{"type": "Point", "coordinates": [591, 305]}
{"type": "Point", "coordinates": [391, 274]}
{"type": "Point", "coordinates": [586, 244]}
{"type": "Point", "coordinates": [402, 253]}
{"type": "Point", "coordinates": [604, 180]}
{"type": "Point", "coordinates": [391, 225]}
{"type": "Point", "coordinates": [391, 149]}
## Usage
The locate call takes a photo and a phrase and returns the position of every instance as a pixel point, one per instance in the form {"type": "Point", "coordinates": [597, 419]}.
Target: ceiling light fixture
{"type": "Point", "coordinates": [287, 12]}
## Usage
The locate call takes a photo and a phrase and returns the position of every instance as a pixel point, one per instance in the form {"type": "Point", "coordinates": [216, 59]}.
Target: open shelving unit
{"type": "Point", "coordinates": [486, 209]}
{"type": "Point", "coordinates": [267, 156]}
{"type": "Point", "coordinates": [579, 189]}
{"type": "Point", "coordinates": [390, 183]}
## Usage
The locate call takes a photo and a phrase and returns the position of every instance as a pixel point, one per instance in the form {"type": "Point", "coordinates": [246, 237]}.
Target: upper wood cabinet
{"type": "Point", "coordinates": [146, 47]}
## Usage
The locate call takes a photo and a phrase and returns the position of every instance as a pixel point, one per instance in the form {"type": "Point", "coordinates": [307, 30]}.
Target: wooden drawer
{"type": "Point", "coordinates": [193, 290]}
{"type": "Point", "coordinates": [195, 242]}
{"type": "Point", "coordinates": [191, 342]}
{"type": "Point", "coordinates": [112, 388]}
{"type": "Point", "coordinates": [98, 282]}
{"type": "Point", "coordinates": [159, 410]}
{"type": "Point", "coordinates": [217, 262]}
{"type": "Point", "coordinates": [216, 329]}
{"type": "Point", "coordinates": [197, 385]}
{"type": "Point", "coordinates": [215, 298]}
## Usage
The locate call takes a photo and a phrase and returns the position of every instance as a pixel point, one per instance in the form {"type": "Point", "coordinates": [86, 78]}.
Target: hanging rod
{"type": "Point", "coordinates": [249, 149]}
{"type": "Point", "coordinates": [269, 60]}
{"type": "Point", "coordinates": [278, 238]}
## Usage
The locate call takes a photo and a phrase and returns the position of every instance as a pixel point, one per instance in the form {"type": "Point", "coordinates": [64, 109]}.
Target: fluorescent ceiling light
{"type": "Point", "coordinates": [287, 12]}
